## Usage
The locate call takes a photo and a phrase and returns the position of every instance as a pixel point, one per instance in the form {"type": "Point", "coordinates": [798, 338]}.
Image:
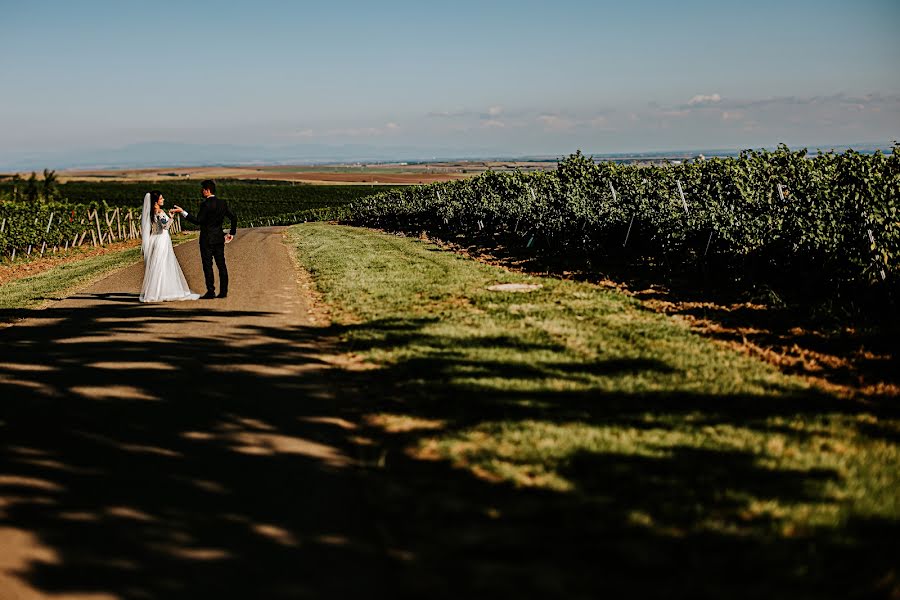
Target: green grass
{"type": "Point", "coordinates": [62, 280]}
{"type": "Point", "coordinates": [661, 448]}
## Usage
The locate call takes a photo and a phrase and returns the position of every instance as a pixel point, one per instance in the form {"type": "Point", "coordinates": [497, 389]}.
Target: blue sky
{"type": "Point", "coordinates": [522, 77]}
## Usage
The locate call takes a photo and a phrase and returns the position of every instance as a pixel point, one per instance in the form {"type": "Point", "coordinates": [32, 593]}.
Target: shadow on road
{"type": "Point", "coordinates": [240, 465]}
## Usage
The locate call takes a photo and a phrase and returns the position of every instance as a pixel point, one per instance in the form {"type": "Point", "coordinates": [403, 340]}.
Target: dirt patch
{"type": "Point", "coordinates": [336, 174]}
{"type": "Point", "coordinates": [837, 361]}
{"type": "Point", "coordinates": [374, 178]}
{"type": "Point", "coordinates": [514, 287]}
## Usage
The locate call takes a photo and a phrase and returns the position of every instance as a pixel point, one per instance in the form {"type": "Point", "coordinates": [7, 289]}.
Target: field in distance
{"type": "Point", "coordinates": [346, 174]}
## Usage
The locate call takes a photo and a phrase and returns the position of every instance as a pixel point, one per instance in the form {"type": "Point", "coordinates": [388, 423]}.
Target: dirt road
{"type": "Point", "coordinates": [194, 449]}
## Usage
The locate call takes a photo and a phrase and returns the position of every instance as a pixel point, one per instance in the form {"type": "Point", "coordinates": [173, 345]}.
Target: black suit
{"type": "Point", "coordinates": [210, 218]}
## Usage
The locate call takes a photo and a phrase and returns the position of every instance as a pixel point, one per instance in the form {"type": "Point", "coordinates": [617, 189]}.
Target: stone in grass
{"type": "Point", "coordinates": [515, 287]}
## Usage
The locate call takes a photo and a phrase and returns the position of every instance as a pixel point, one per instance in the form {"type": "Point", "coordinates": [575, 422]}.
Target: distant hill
{"type": "Point", "coordinates": [162, 154]}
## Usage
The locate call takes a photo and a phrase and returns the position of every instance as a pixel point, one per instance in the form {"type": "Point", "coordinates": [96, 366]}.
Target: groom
{"type": "Point", "coordinates": [210, 218]}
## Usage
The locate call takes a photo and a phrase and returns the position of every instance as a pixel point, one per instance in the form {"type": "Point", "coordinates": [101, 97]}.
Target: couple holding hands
{"type": "Point", "coordinates": [163, 278]}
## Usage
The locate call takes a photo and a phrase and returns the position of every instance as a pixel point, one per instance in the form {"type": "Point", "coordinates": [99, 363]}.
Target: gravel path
{"type": "Point", "coordinates": [192, 449]}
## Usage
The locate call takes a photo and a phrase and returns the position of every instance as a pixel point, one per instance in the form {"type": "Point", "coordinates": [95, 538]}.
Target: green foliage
{"type": "Point", "coordinates": [31, 223]}
{"type": "Point", "coordinates": [15, 188]}
{"type": "Point", "coordinates": [251, 201]}
{"type": "Point", "coordinates": [818, 222]}
{"type": "Point", "coordinates": [31, 188]}
{"type": "Point", "coordinates": [49, 185]}
{"type": "Point", "coordinates": [255, 204]}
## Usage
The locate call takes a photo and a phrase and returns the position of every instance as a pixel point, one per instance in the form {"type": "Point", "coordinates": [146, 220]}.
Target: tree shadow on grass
{"type": "Point", "coordinates": [845, 337]}
{"type": "Point", "coordinates": [241, 464]}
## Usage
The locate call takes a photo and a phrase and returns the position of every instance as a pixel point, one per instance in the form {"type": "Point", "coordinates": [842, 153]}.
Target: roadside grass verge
{"type": "Point", "coordinates": [62, 279]}
{"type": "Point", "coordinates": [614, 434]}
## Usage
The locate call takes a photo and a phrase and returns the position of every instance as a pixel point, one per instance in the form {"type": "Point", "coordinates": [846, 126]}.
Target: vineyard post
{"type": "Point", "coordinates": [119, 225]}
{"type": "Point", "coordinates": [628, 233]}
{"type": "Point", "coordinates": [3, 225]}
{"type": "Point", "coordinates": [46, 233]}
{"type": "Point", "coordinates": [441, 201]}
{"type": "Point", "coordinates": [709, 241]}
{"type": "Point", "coordinates": [780, 191]}
{"type": "Point", "coordinates": [633, 215]}
{"type": "Point", "coordinates": [111, 237]}
{"type": "Point", "coordinates": [874, 249]}
{"type": "Point", "coordinates": [533, 199]}
{"type": "Point", "coordinates": [99, 239]}
{"type": "Point", "coordinates": [683, 199]}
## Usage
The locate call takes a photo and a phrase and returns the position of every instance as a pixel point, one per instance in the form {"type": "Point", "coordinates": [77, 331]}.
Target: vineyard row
{"type": "Point", "coordinates": [52, 227]}
{"type": "Point", "coordinates": [835, 217]}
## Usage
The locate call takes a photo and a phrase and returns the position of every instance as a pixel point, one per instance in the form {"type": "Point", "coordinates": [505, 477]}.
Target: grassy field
{"type": "Point", "coordinates": [58, 281]}
{"type": "Point", "coordinates": [569, 441]}
{"type": "Point", "coordinates": [62, 279]}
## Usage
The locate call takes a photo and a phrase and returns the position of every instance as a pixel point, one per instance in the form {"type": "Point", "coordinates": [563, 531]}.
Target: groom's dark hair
{"type": "Point", "coordinates": [210, 185]}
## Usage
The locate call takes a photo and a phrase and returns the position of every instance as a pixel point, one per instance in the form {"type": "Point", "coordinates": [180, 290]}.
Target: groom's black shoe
{"type": "Point", "coordinates": [222, 295]}
{"type": "Point", "coordinates": [208, 296]}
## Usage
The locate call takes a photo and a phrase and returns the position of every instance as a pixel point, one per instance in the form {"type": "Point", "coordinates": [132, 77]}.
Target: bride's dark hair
{"type": "Point", "coordinates": [154, 198]}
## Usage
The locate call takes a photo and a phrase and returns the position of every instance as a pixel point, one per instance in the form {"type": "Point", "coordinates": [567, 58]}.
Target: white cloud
{"type": "Point", "coordinates": [495, 111]}
{"type": "Point", "coordinates": [704, 99]}
{"type": "Point", "coordinates": [303, 133]}
{"type": "Point", "coordinates": [493, 124]}
{"type": "Point", "coordinates": [555, 122]}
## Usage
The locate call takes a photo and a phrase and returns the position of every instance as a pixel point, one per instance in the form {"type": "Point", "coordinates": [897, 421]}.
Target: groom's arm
{"type": "Point", "coordinates": [231, 218]}
{"type": "Point", "coordinates": [201, 217]}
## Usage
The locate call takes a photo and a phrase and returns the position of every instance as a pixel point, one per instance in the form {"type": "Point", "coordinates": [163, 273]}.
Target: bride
{"type": "Point", "coordinates": [163, 278]}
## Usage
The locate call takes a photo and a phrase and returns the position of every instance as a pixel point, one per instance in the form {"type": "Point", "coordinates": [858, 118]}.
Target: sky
{"type": "Point", "coordinates": [473, 77]}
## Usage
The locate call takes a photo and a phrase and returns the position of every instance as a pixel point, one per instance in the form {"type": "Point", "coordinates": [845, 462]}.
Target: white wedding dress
{"type": "Point", "coordinates": [163, 279]}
